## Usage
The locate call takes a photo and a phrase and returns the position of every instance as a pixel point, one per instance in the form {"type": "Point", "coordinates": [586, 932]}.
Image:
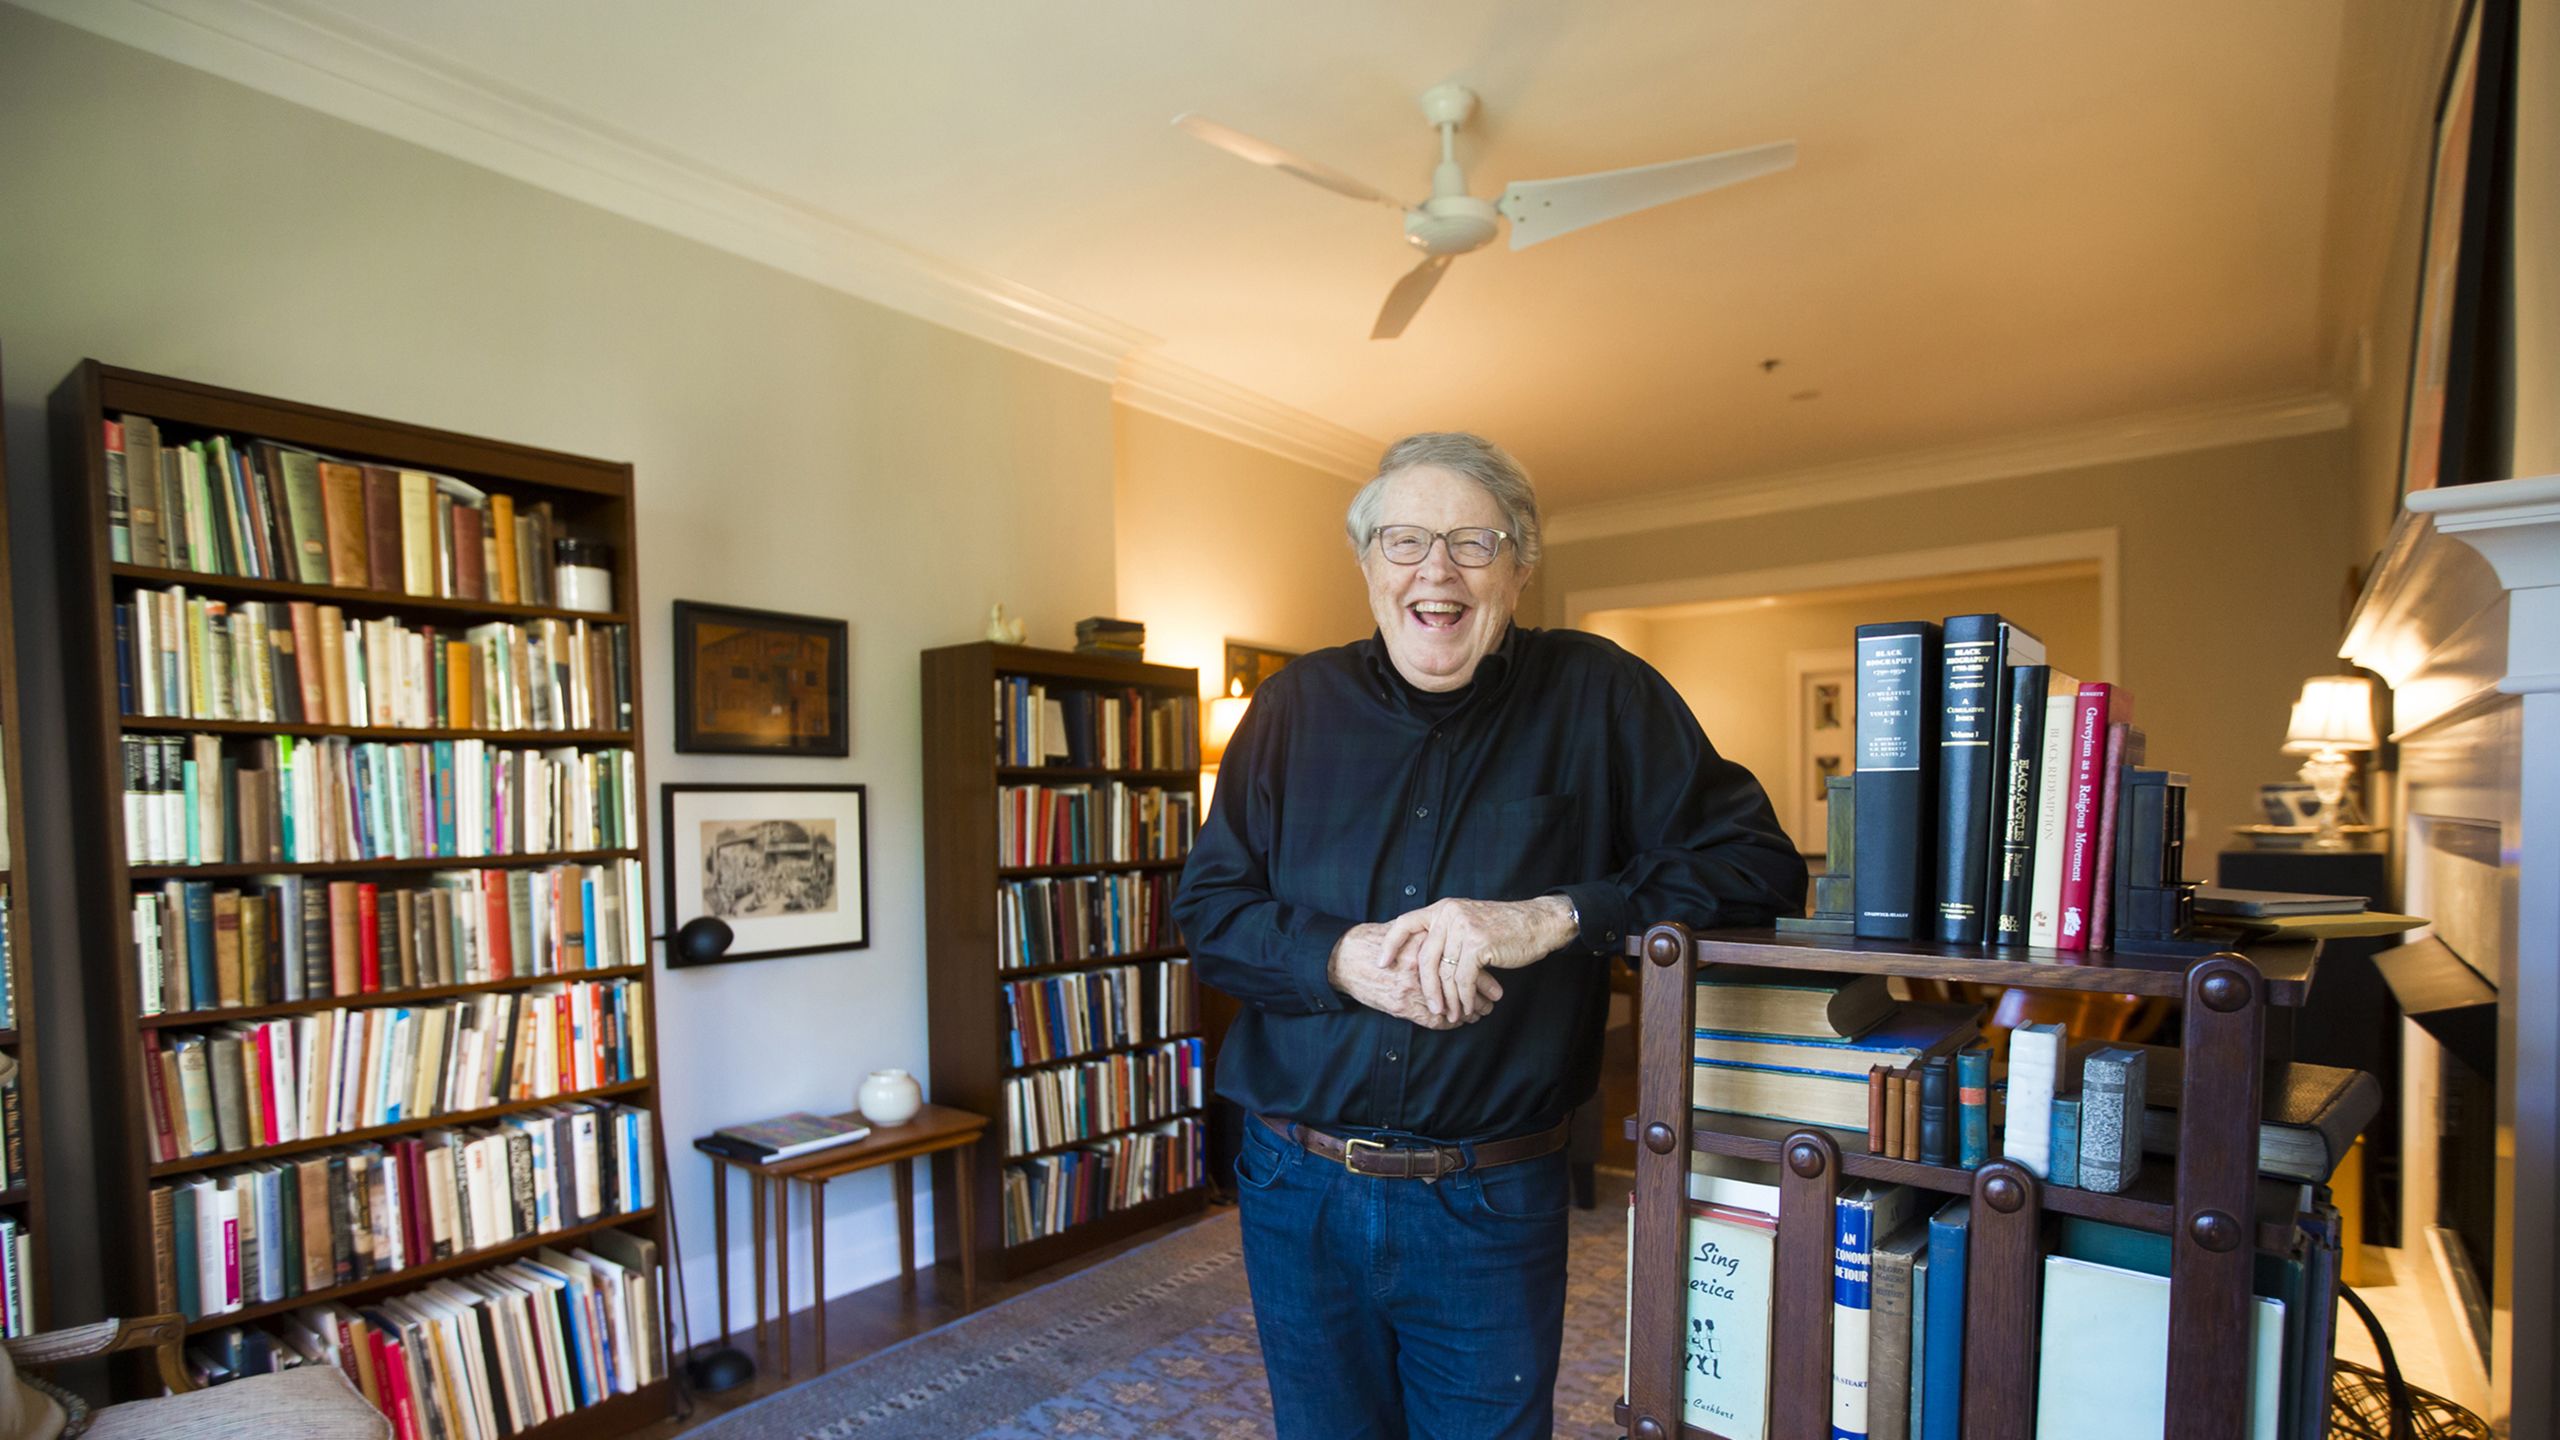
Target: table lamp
{"type": "Point", "coordinates": [2333, 717]}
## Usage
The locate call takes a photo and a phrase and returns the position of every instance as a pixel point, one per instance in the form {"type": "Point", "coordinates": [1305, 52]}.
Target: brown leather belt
{"type": "Point", "coordinates": [1414, 1162]}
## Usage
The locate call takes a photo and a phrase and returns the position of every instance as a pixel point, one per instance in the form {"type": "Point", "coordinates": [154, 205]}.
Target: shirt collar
{"type": "Point", "coordinates": [1493, 672]}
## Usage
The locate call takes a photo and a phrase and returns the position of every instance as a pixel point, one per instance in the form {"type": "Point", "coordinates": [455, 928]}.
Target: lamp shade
{"type": "Point", "coordinates": [1225, 714]}
{"type": "Point", "coordinates": [2334, 713]}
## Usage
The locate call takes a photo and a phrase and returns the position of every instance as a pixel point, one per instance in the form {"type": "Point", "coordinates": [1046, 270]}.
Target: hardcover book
{"type": "Point", "coordinates": [785, 1136]}
{"type": "Point", "coordinates": [1973, 1106]}
{"type": "Point", "coordinates": [2013, 879]}
{"type": "Point", "coordinates": [1896, 777]}
{"type": "Point", "coordinates": [1942, 1389]}
{"type": "Point", "coordinates": [1889, 1372]}
{"type": "Point", "coordinates": [1909, 1033]}
{"type": "Point", "coordinates": [1859, 1217]}
{"type": "Point", "coordinates": [1978, 653]}
{"type": "Point", "coordinates": [2125, 748]}
{"type": "Point", "coordinates": [2100, 706]}
{"type": "Point", "coordinates": [1732, 1296]}
{"type": "Point", "coordinates": [2035, 1057]}
{"type": "Point", "coordinates": [1789, 1003]}
{"type": "Point", "coordinates": [2111, 1090]}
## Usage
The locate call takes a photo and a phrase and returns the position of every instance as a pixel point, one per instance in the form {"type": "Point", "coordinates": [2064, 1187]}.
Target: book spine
{"type": "Point", "coordinates": [2080, 845]}
{"type": "Point", "coordinates": [1852, 1298]}
{"type": "Point", "coordinates": [1935, 1133]}
{"type": "Point", "coordinates": [2053, 782]}
{"type": "Point", "coordinates": [2017, 785]}
{"type": "Point", "coordinates": [1896, 777]}
{"type": "Point", "coordinates": [2111, 1088]}
{"type": "Point", "coordinates": [2027, 1135]}
{"type": "Point", "coordinates": [1942, 1361]}
{"type": "Point", "coordinates": [2124, 746]}
{"type": "Point", "coordinates": [1967, 689]}
{"type": "Point", "coordinates": [2066, 1141]}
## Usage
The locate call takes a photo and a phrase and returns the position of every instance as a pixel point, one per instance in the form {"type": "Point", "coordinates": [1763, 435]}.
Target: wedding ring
{"type": "Point", "coordinates": [1448, 964]}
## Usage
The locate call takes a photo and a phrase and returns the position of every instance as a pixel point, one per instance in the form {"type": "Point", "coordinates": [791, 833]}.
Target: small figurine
{"type": "Point", "coordinates": [1003, 631]}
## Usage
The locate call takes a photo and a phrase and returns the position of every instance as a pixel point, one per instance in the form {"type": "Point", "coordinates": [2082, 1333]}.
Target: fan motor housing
{"type": "Point", "coordinates": [1451, 224]}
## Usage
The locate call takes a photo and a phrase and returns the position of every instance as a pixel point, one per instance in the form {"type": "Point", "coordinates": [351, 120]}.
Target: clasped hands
{"type": "Point", "coordinates": [1433, 966]}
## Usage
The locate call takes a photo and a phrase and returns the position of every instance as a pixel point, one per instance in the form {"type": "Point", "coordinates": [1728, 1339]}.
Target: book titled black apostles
{"type": "Point", "coordinates": [1973, 715]}
{"type": "Point", "coordinates": [1897, 778]}
{"type": "Point", "coordinates": [2013, 880]}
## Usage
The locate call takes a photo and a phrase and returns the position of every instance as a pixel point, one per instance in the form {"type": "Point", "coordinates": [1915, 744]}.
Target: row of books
{"type": "Point", "coordinates": [17, 1276]}
{"type": "Point", "coordinates": [1899, 1319]}
{"type": "Point", "coordinates": [297, 663]}
{"type": "Point", "coordinates": [272, 1082]}
{"type": "Point", "coordinates": [233, 1239]}
{"type": "Point", "coordinates": [1108, 729]}
{"type": "Point", "coordinates": [1058, 1192]}
{"type": "Point", "coordinates": [197, 800]}
{"type": "Point", "coordinates": [233, 505]}
{"type": "Point", "coordinates": [1057, 1017]}
{"type": "Point", "coordinates": [475, 1356]}
{"type": "Point", "coordinates": [284, 938]}
{"type": "Point", "coordinates": [2001, 800]}
{"type": "Point", "coordinates": [1916, 1079]}
{"type": "Point", "coordinates": [1052, 1107]}
{"type": "Point", "coordinates": [1089, 825]}
{"type": "Point", "coordinates": [1051, 921]}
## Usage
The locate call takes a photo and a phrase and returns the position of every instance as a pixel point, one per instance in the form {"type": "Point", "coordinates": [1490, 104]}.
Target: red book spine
{"type": "Point", "coordinates": [413, 1201]}
{"type": "Point", "coordinates": [369, 937]}
{"type": "Point", "coordinates": [567, 1045]}
{"type": "Point", "coordinates": [502, 945]}
{"type": "Point", "coordinates": [164, 1144]}
{"type": "Point", "coordinates": [2080, 834]}
{"type": "Point", "coordinates": [2110, 785]}
{"type": "Point", "coordinates": [390, 1363]}
{"type": "Point", "coordinates": [262, 1075]}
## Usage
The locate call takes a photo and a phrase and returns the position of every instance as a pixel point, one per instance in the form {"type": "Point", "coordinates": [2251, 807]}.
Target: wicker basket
{"type": "Point", "coordinates": [2367, 1404]}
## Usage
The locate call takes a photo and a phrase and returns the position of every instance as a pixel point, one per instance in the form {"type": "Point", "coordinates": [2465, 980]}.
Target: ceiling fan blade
{"type": "Point", "coordinates": [1544, 209]}
{"type": "Point", "coordinates": [1263, 152]}
{"type": "Point", "coordinates": [1407, 297]}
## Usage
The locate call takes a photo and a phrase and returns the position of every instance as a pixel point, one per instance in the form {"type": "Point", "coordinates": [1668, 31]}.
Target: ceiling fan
{"type": "Point", "coordinates": [1450, 223]}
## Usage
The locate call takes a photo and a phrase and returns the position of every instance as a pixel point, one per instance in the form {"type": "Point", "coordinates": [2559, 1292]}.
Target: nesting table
{"type": "Point", "coordinates": [935, 1128]}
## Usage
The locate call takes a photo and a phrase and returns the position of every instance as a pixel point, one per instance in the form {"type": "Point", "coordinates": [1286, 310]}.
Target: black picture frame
{"type": "Point", "coordinates": [2452, 352]}
{"type": "Point", "coordinates": [681, 823]}
{"type": "Point", "coordinates": [710, 686]}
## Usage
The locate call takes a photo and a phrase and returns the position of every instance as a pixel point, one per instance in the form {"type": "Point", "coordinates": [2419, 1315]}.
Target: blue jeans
{"type": "Point", "coordinates": [1403, 1308]}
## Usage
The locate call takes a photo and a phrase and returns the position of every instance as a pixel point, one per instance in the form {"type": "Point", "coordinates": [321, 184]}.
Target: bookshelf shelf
{"type": "Point", "coordinates": [152, 577]}
{"type": "Point", "coordinates": [417, 1275]}
{"type": "Point", "coordinates": [966, 996]}
{"type": "Point", "coordinates": [1095, 867]}
{"type": "Point", "coordinates": [1082, 1056]}
{"type": "Point", "coordinates": [375, 999]}
{"type": "Point", "coordinates": [22, 1203]}
{"type": "Point", "coordinates": [544, 738]}
{"type": "Point", "coordinates": [2212, 1204]}
{"type": "Point", "coordinates": [561, 496]}
{"type": "Point", "coordinates": [358, 867]}
{"type": "Point", "coordinates": [1097, 1138]}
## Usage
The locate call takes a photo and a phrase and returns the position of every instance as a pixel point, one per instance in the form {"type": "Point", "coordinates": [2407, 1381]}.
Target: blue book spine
{"type": "Point", "coordinates": [1942, 1388]}
{"type": "Point", "coordinates": [1973, 1106]}
{"type": "Point", "coordinates": [1852, 1296]}
{"type": "Point", "coordinates": [183, 1242]}
{"type": "Point", "coordinates": [187, 789]}
{"type": "Point", "coordinates": [2063, 1168]}
{"type": "Point", "coordinates": [202, 987]}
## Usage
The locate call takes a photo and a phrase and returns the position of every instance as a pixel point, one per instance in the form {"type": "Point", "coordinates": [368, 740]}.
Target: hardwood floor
{"type": "Point", "coordinates": [868, 1320]}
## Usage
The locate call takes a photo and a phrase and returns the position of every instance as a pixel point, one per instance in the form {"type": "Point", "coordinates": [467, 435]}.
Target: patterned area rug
{"type": "Point", "coordinates": [1157, 1341]}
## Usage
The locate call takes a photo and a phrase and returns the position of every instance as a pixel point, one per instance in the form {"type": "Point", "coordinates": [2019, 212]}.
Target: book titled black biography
{"type": "Point", "coordinates": [1973, 686]}
{"type": "Point", "coordinates": [2016, 878]}
{"type": "Point", "coordinates": [1897, 779]}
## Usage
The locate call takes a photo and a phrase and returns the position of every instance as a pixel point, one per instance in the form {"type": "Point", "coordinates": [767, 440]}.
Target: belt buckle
{"type": "Point", "coordinates": [1351, 1151]}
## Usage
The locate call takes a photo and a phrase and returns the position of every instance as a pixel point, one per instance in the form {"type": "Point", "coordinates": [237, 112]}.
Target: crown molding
{"type": "Point", "coordinates": [1151, 383]}
{"type": "Point", "coordinates": [328, 63]}
{"type": "Point", "coordinates": [2135, 437]}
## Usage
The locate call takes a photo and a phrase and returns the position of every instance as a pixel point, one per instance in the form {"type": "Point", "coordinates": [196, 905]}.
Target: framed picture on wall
{"type": "Point", "coordinates": [759, 682]}
{"type": "Point", "coordinates": [2466, 190]}
{"type": "Point", "coordinates": [786, 866]}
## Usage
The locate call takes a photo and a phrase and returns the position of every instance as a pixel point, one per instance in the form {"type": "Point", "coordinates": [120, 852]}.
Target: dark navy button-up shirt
{"type": "Point", "coordinates": [1567, 767]}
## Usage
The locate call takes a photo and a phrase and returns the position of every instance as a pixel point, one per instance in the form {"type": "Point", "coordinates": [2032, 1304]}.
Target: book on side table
{"type": "Point", "coordinates": [785, 1136]}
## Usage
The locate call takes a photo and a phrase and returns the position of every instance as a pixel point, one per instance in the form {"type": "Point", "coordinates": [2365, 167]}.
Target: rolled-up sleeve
{"type": "Point", "coordinates": [1266, 952]}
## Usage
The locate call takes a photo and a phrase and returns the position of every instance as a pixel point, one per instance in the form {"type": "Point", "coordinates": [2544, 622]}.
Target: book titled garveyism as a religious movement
{"type": "Point", "coordinates": [1897, 778]}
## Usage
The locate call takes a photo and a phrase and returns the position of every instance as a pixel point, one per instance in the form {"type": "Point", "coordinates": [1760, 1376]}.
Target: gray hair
{"type": "Point", "coordinates": [1472, 456]}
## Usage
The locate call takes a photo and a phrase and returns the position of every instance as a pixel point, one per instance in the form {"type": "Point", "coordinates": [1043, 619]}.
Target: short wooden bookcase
{"type": "Point", "coordinates": [2211, 1203]}
{"type": "Point", "coordinates": [593, 500]}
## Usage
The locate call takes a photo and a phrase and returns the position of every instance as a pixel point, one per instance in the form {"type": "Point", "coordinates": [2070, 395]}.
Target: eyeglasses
{"type": "Point", "coordinates": [1473, 547]}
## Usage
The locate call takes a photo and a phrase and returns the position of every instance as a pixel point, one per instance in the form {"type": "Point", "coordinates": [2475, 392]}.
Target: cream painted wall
{"type": "Point", "coordinates": [795, 449]}
{"type": "Point", "coordinates": [1222, 542]}
{"type": "Point", "coordinates": [1732, 666]}
{"type": "Point", "coordinates": [2231, 584]}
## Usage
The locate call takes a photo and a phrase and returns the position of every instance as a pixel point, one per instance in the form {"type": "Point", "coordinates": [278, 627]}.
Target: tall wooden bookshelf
{"type": "Point", "coordinates": [969, 1026]}
{"type": "Point", "coordinates": [22, 1200]}
{"type": "Point", "coordinates": [591, 499]}
{"type": "Point", "coordinates": [2211, 1202]}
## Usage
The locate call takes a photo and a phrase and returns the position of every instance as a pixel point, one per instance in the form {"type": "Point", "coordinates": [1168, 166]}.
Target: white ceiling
{"type": "Point", "coordinates": [2007, 215]}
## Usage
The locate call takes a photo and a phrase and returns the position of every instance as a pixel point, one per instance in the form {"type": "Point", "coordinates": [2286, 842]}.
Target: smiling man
{"type": "Point", "coordinates": [1423, 849]}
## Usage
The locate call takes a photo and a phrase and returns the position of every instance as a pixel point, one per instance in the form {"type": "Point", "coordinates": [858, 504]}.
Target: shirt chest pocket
{"type": "Point", "coordinates": [1517, 849]}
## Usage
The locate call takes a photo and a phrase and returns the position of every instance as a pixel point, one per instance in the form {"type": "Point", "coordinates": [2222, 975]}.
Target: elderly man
{"type": "Point", "coordinates": [1424, 847]}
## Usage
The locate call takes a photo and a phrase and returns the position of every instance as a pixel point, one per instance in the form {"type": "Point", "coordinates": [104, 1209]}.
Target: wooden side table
{"type": "Point", "coordinates": [934, 1128]}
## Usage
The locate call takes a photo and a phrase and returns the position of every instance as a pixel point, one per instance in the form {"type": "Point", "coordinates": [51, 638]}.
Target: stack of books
{"type": "Point", "coordinates": [1790, 1046]}
{"type": "Point", "coordinates": [1102, 635]}
{"type": "Point", "coordinates": [2000, 800]}
{"type": "Point", "coordinates": [786, 1136]}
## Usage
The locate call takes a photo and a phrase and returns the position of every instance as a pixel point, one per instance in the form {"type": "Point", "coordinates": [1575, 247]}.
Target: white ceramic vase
{"type": "Point", "coordinates": [890, 1097]}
